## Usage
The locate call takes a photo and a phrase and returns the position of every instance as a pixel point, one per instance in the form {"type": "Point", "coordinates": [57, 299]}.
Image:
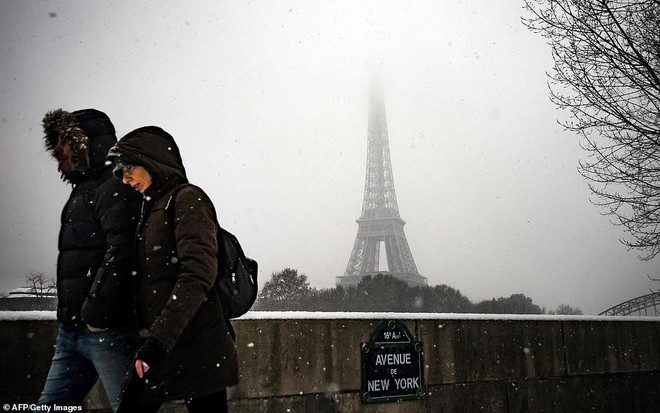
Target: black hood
{"type": "Point", "coordinates": [90, 133]}
{"type": "Point", "coordinates": [156, 150]}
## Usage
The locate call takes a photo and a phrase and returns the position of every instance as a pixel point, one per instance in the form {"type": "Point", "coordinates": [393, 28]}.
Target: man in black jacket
{"type": "Point", "coordinates": [94, 266]}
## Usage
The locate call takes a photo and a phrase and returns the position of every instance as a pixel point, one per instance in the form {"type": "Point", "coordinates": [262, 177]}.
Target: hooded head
{"type": "Point", "coordinates": [89, 134]}
{"type": "Point", "coordinates": [154, 149]}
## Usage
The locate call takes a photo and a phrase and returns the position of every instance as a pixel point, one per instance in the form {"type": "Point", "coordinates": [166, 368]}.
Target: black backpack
{"type": "Point", "coordinates": [237, 274]}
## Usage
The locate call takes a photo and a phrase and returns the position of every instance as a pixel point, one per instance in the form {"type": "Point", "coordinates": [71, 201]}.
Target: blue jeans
{"type": "Point", "coordinates": [81, 357]}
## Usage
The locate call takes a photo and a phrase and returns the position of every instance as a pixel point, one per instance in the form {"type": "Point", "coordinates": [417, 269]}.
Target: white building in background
{"type": "Point", "coordinates": [29, 292]}
{"type": "Point", "coordinates": [29, 299]}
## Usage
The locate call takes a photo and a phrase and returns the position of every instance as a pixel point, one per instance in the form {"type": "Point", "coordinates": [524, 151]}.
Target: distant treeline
{"type": "Point", "coordinates": [289, 291]}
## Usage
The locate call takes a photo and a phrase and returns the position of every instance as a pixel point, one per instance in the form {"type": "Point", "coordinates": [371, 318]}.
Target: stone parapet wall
{"type": "Point", "coordinates": [307, 362]}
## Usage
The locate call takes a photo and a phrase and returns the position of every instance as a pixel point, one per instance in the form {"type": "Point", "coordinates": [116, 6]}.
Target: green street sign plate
{"type": "Point", "coordinates": [392, 365]}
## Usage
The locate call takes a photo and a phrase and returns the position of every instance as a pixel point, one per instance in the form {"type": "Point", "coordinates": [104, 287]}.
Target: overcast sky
{"type": "Point", "coordinates": [268, 103]}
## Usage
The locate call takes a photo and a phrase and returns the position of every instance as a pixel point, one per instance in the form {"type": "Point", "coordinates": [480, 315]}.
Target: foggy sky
{"type": "Point", "coordinates": [268, 102]}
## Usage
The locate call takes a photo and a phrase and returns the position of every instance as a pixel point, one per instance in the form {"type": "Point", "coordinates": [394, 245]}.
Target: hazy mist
{"type": "Point", "coordinates": [268, 103]}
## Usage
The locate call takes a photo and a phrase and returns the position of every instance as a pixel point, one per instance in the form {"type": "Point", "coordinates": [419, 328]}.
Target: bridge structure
{"type": "Point", "coordinates": [645, 305]}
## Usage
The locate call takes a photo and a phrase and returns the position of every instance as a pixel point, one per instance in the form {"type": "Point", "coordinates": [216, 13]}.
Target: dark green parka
{"type": "Point", "coordinates": [176, 254]}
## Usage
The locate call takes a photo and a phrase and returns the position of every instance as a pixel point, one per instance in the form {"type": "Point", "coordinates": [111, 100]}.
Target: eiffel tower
{"type": "Point", "coordinates": [380, 222]}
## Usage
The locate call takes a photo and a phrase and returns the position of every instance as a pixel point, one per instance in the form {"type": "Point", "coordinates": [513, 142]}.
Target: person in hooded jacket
{"type": "Point", "coordinates": [96, 338]}
{"type": "Point", "coordinates": [187, 350]}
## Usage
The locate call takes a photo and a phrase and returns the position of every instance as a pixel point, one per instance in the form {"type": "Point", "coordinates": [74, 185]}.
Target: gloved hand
{"type": "Point", "coordinates": [152, 352]}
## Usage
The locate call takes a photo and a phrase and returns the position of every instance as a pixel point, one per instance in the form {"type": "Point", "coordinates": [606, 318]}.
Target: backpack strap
{"type": "Point", "coordinates": [173, 194]}
{"type": "Point", "coordinates": [171, 202]}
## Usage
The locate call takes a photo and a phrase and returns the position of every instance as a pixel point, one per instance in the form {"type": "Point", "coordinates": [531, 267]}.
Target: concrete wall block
{"type": "Point", "coordinates": [307, 403]}
{"type": "Point", "coordinates": [287, 357]}
{"type": "Point", "coordinates": [352, 403]}
{"type": "Point", "coordinates": [606, 394]}
{"type": "Point", "coordinates": [460, 351]}
{"type": "Point", "coordinates": [470, 365]}
{"type": "Point", "coordinates": [647, 346]}
{"type": "Point", "coordinates": [96, 399]}
{"type": "Point", "coordinates": [170, 407]}
{"type": "Point", "coordinates": [611, 347]}
{"type": "Point", "coordinates": [487, 397]}
{"type": "Point", "coordinates": [550, 396]}
{"type": "Point", "coordinates": [26, 348]}
{"type": "Point", "coordinates": [639, 392]}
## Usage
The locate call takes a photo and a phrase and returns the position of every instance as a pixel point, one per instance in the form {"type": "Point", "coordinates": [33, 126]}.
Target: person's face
{"type": "Point", "coordinates": [137, 177]}
{"type": "Point", "coordinates": [63, 153]}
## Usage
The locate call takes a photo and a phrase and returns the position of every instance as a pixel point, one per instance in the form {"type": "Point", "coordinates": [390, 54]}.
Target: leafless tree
{"type": "Point", "coordinates": [606, 74]}
{"type": "Point", "coordinates": [39, 284]}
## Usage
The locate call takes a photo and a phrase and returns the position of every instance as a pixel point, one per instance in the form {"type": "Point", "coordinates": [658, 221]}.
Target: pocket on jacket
{"type": "Point", "coordinates": [74, 290]}
{"type": "Point", "coordinates": [72, 294]}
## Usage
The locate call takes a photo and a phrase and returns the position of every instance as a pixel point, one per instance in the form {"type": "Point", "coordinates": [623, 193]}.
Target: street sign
{"type": "Point", "coordinates": [392, 365]}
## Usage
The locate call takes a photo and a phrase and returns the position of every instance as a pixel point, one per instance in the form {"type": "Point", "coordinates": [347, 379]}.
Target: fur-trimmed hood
{"type": "Point", "coordinates": [90, 133]}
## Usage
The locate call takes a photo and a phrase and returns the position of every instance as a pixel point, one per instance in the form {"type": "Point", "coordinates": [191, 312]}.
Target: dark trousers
{"type": "Point", "coordinates": [212, 403]}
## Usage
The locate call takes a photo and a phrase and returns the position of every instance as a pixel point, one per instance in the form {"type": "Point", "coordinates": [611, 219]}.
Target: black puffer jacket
{"type": "Point", "coordinates": [94, 266]}
{"type": "Point", "coordinates": [177, 254]}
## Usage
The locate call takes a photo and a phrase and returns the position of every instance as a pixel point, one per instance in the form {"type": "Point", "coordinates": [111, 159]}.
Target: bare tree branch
{"type": "Point", "coordinates": [606, 75]}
